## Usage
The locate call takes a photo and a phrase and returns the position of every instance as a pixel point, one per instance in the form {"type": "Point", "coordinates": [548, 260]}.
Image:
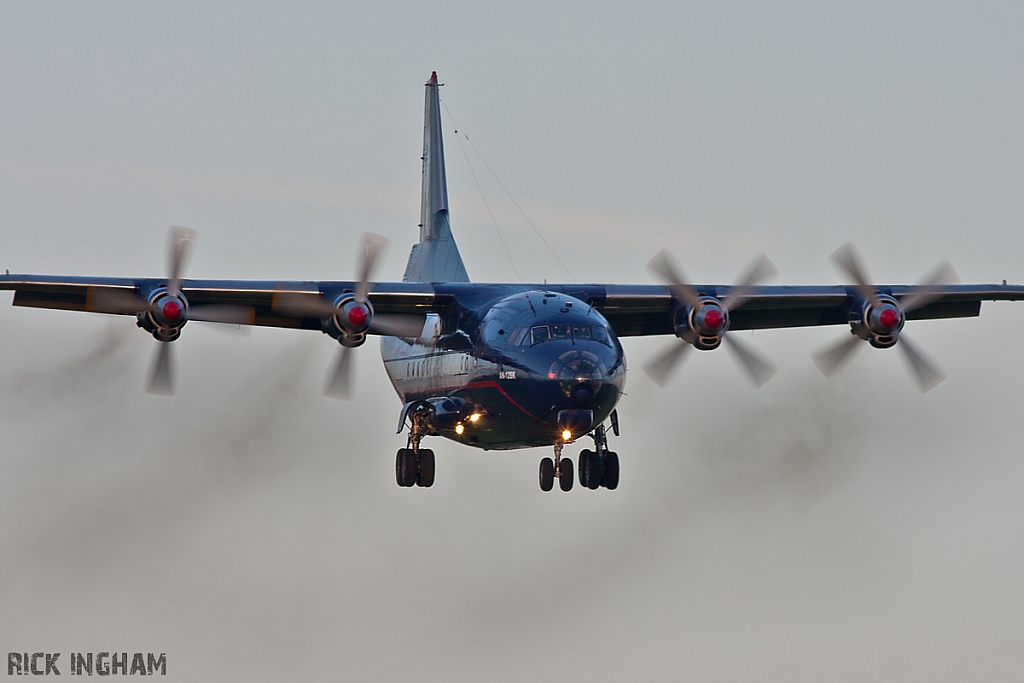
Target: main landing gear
{"type": "Point", "coordinates": [599, 467]}
{"type": "Point", "coordinates": [414, 466]}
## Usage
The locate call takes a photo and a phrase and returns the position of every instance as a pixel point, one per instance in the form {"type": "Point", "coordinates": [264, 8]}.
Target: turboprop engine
{"type": "Point", "coordinates": [349, 317]}
{"type": "Point", "coordinates": [703, 321]}
{"type": "Point", "coordinates": [878, 319]}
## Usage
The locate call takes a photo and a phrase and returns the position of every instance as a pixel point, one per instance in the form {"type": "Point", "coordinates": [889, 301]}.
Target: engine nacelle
{"type": "Point", "coordinates": [702, 325]}
{"type": "Point", "coordinates": [878, 323]}
{"type": "Point", "coordinates": [166, 316]}
{"type": "Point", "coordinates": [351, 321]}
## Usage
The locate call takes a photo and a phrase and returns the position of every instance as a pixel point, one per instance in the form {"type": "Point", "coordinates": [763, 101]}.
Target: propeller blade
{"type": "Point", "coordinates": [398, 325]}
{"type": "Point", "coordinates": [662, 266]}
{"type": "Point", "coordinates": [160, 381]}
{"type": "Point", "coordinates": [660, 369]}
{"type": "Point", "coordinates": [925, 372]}
{"type": "Point", "coordinates": [758, 368]}
{"type": "Point", "coordinates": [222, 313]}
{"type": "Point", "coordinates": [373, 245]}
{"type": "Point", "coordinates": [340, 383]}
{"type": "Point", "coordinates": [928, 292]}
{"type": "Point", "coordinates": [302, 304]}
{"type": "Point", "coordinates": [846, 259]}
{"type": "Point", "coordinates": [837, 355]}
{"type": "Point", "coordinates": [759, 271]}
{"type": "Point", "coordinates": [120, 301]}
{"type": "Point", "coordinates": [181, 239]}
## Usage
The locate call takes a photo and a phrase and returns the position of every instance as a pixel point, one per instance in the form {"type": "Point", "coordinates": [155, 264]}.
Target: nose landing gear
{"type": "Point", "coordinates": [560, 468]}
{"type": "Point", "coordinates": [597, 468]}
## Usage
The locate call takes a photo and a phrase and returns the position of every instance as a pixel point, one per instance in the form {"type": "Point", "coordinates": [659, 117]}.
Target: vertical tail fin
{"type": "Point", "coordinates": [436, 257]}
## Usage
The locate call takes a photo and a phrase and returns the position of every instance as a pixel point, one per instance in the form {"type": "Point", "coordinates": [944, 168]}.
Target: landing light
{"type": "Point", "coordinates": [459, 429]}
{"type": "Point", "coordinates": [566, 435]}
{"type": "Point", "coordinates": [474, 417]}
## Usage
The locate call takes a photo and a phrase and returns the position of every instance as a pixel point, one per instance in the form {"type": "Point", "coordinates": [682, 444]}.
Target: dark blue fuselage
{"type": "Point", "coordinates": [511, 364]}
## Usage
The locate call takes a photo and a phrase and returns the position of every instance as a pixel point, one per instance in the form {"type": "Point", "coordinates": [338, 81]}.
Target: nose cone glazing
{"type": "Point", "coordinates": [580, 374]}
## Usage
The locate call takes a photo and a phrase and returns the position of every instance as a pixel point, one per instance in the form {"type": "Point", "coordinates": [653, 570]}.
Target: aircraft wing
{"type": "Point", "coordinates": [261, 298]}
{"type": "Point", "coordinates": [638, 310]}
{"type": "Point", "coordinates": [632, 310]}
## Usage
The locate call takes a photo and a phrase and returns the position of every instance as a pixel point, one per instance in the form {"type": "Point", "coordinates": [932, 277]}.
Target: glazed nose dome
{"type": "Point", "coordinates": [580, 374]}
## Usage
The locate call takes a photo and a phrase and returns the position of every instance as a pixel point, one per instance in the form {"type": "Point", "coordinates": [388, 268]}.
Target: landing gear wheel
{"type": "Point", "coordinates": [565, 477]}
{"type": "Point", "coordinates": [547, 474]}
{"type": "Point", "coordinates": [426, 475]}
{"type": "Point", "coordinates": [584, 468]}
{"type": "Point", "coordinates": [595, 470]}
{"type": "Point", "coordinates": [405, 467]}
{"type": "Point", "coordinates": [611, 471]}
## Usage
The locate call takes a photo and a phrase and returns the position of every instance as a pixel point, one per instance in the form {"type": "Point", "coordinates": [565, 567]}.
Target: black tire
{"type": "Point", "coordinates": [426, 475]}
{"type": "Point", "coordinates": [584, 468]}
{"type": "Point", "coordinates": [565, 479]}
{"type": "Point", "coordinates": [547, 474]}
{"type": "Point", "coordinates": [595, 471]}
{"type": "Point", "coordinates": [405, 467]}
{"type": "Point", "coordinates": [611, 471]}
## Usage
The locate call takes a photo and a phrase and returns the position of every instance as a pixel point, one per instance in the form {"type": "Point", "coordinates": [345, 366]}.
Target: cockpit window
{"type": "Point", "coordinates": [542, 333]}
{"type": "Point", "coordinates": [518, 337]}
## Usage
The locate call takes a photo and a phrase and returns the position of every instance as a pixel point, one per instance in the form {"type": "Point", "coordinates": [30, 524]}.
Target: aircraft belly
{"type": "Point", "coordinates": [507, 423]}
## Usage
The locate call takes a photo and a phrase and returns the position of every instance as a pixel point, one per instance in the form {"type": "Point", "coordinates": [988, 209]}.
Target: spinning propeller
{"type": "Point", "coordinates": [703, 321]}
{"type": "Point", "coordinates": [350, 316]}
{"type": "Point", "coordinates": [881, 319]}
{"type": "Point", "coordinates": [166, 311]}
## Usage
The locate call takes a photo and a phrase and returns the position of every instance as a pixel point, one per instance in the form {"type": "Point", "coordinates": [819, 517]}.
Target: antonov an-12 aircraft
{"type": "Point", "coordinates": [505, 366]}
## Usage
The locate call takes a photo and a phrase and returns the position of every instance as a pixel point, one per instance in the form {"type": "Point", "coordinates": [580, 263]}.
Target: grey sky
{"type": "Point", "coordinates": [847, 529]}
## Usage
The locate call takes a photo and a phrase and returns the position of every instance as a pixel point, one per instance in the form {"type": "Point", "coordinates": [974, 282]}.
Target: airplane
{"type": "Point", "coordinates": [511, 366]}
